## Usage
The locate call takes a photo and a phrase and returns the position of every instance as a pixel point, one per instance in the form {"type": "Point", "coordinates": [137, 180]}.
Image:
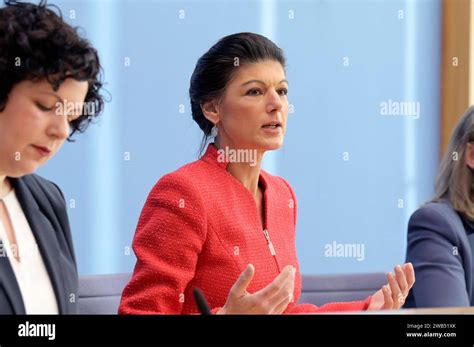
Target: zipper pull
{"type": "Point", "coordinates": [270, 244]}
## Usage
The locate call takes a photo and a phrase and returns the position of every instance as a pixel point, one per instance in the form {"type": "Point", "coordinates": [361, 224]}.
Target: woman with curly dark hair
{"type": "Point", "coordinates": [49, 89]}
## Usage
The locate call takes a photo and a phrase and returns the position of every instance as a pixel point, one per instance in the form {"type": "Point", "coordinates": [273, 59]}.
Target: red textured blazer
{"type": "Point", "coordinates": [200, 228]}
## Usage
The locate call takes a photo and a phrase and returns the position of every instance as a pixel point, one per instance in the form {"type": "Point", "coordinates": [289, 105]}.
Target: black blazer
{"type": "Point", "coordinates": [440, 246]}
{"type": "Point", "coordinates": [44, 207]}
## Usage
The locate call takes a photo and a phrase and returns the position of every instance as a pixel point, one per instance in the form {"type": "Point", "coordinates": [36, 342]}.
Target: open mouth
{"type": "Point", "coordinates": [273, 125]}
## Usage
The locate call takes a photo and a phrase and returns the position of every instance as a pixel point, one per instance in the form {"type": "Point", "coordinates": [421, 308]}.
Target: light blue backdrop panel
{"type": "Point", "coordinates": [348, 163]}
{"type": "Point", "coordinates": [345, 59]}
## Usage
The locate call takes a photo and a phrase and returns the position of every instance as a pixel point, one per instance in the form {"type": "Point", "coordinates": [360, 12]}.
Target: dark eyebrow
{"type": "Point", "coordinates": [53, 94]}
{"type": "Point", "coordinates": [261, 82]}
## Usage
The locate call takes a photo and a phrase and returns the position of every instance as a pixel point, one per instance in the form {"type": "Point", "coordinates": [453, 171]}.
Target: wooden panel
{"type": "Point", "coordinates": [455, 68]}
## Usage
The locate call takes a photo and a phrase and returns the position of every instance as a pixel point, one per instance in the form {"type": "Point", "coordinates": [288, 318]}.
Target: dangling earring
{"type": "Point", "coordinates": [214, 131]}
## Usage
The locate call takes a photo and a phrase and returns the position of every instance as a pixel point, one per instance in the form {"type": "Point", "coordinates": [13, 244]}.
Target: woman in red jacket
{"type": "Point", "coordinates": [221, 223]}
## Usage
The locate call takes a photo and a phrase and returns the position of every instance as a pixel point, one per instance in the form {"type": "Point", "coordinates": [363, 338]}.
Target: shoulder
{"type": "Point", "coordinates": [436, 212]}
{"type": "Point", "coordinates": [37, 183]}
{"type": "Point", "coordinates": [185, 176]}
{"type": "Point", "coordinates": [439, 217]}
{"type": "Point", "coordinates": [182, 183]}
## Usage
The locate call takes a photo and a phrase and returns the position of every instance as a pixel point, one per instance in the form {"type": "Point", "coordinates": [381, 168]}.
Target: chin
{"type": "Point", "coordinates": [271, 145]}
{"type": "Point", "coordinates": [274, 148]}
{"type": "Point", "coordinates": [24, 170]}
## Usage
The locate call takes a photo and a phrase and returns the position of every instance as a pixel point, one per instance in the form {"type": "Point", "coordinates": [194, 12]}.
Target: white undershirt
{"type": "Point", "coordinates": [30, 272]}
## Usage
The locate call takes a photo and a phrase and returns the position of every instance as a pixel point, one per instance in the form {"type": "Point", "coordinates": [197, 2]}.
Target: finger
{"type": "Point", "coordinates": [281, 307]}
{"type": "Point", "coordinates": [282, 294]}
{"type": "Point", "coordinates": [287, 286]}
{"type": "Point", "coordinates": [409, 274]}
{"type": "Point", "coordinates": [272, 295]}
{"type": "Point", "coordinates": [292, 290]}
{"type": "Point", "coordinates": [277, 283]}
{"type": "Point", "coordinates": [240, 286]}
{"type": "Point", "coordinates": [397, 295]}
{"type": "Point", "coordinates": [285, 299]}
{"type": "Point", "coordinates": [401, 280]}
{"type": "Point", "coordinates": [387, 296]}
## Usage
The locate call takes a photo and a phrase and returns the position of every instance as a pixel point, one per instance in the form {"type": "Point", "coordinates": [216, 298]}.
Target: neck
{"type": "Point", "coordinates": [245, 172]}
{"type": "Point", "coordinates": [4, 186]}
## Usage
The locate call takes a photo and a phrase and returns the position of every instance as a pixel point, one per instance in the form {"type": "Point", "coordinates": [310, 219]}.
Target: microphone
{"type": "Point", "coordinates": [201, 302]}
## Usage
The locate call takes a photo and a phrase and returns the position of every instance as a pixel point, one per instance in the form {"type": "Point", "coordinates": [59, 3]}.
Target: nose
{"type": "Point", "coordinates": [274, 102]}
{"type": "Point", "coordinates": [58, 127]}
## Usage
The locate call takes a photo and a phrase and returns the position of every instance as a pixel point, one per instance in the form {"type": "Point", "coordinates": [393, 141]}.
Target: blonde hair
{"type": "Point", "coordinates": [455, 179]}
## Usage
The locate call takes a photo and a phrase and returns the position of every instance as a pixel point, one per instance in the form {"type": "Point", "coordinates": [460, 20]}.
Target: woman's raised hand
{"type": "Point", "coordinates": [392, 295]}
{"type": "Point", "coordinates": [273, 299]}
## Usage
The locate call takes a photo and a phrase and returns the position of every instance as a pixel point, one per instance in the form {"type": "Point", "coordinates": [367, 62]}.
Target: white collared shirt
{"type": "Point", "coordinates": [30, 272]}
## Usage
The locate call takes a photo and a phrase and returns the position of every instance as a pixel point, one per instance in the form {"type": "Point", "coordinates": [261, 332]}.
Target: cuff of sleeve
{"type": "Point", "coordinates": [215, 310]}
{"type": "Point", "coordinates": [367, 303]}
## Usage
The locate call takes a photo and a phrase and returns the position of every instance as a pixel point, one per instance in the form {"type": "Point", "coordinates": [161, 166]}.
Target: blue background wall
{"type": "Point", "coordinates": [348, 164]}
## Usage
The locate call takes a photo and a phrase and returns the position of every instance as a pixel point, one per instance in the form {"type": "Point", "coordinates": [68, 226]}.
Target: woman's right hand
{"type": "Point", "coordinates": [273, 299]}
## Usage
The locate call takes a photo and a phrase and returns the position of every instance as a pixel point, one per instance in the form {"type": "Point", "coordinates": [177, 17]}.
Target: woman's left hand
{"type": "Point", "coordinates": [392, 295]}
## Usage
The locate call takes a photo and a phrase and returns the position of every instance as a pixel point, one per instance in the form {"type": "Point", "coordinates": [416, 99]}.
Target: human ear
{"type": "Point", "coordinates": [210, 109]}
